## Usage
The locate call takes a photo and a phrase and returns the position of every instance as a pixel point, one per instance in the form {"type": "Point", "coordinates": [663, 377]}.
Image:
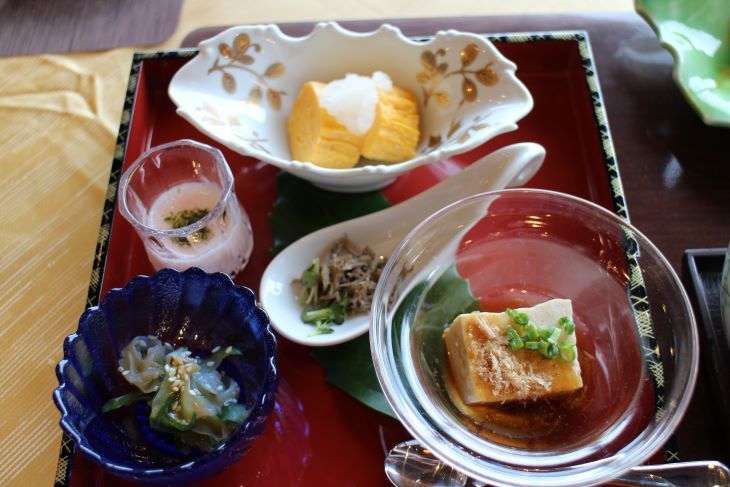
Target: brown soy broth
{"type": "Point", "coordinates": [523, 272]}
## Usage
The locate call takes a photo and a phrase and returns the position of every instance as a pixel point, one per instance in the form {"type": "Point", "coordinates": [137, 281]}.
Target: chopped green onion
{"type": "Point", "coordinates": [516, 343]}
{"type": "Point", "coordinates": [531, 331]}
{"type": "Point", "coordinates": [543, 339]}
{"type": "Point", "coordinates": [554, 337]}
{"type": "Point", "coordinates": [512, 333]}
{"type": "Point", "coordinates": [567, 324]}
{"type": "Point", "coordinates": [548, 350]}
{"type": "Point", "coordinates": [546, 332]}
{"type": "Point", "coordinates": [567, 353]}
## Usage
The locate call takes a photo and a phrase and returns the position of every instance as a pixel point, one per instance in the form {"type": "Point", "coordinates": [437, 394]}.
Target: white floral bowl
{"type": "Point", "coordinates": [240, 88]}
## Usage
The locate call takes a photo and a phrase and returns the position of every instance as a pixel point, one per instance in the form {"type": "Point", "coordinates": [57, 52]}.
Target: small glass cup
{"type": "Point", "coordinates": [179, 198]}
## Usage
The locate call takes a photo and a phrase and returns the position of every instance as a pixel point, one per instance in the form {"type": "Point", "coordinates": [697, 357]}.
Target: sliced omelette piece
{"type": "Point", "coordinates": [317, 136]}
{"type": "Point", "coordinates": [486, 369]}
{"type": "Point", "coordinates": [393, 137]}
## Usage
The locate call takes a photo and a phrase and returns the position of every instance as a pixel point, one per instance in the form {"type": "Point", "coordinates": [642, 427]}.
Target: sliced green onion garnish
{"type": "Point", "coordinates": [548, 350]}
{"type": "Point", "coordinates": [531, 331]}
{"type": "Point", "coordinates": [543, 339]}
{"type": "Point", "coordinates": [546, 332]}
{"type": "Point", "coordinates": [555, 336]}
{"type": "Point", "coordinates": [567, 324]}
{"type": "Point", "coordinates": [567, 353]}
{"type": "Point", "coordinates": [569, 328]}
{"type": "Point", "coordinates": [512, 333]}
{"type": "Point", "coordinates": [522, 319]}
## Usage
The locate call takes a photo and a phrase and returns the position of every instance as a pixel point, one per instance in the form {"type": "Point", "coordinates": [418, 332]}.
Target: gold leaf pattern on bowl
{"type": "Point", "coordinates": [436, 70]}
{"type": "Point", "coordinates": [255, 95]}
{"type": "Point", "coordinates": [274, 98]}
{"type": "Point", "coordinates": [229, 83]}
{"type": "Point", "coordinates": [274, 70]}
{"type": "Point", "coordinates": [254, 140]}
{"type": "Point", "coordinates": [469, 54]}
{"type": "Point", "coordinates": [238, 56]}
{"type": "Point", "coordinates": [241, 42]}
{"type": "Point", "coordinates": [436, 141]}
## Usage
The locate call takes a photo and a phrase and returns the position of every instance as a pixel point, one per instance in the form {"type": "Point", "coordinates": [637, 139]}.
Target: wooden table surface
{"type": "Point", "coordinates": [675, 169]}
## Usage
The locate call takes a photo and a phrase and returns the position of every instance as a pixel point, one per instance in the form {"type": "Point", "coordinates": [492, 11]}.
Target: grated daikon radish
{"type": "Point", "coordinates": [353, 100]}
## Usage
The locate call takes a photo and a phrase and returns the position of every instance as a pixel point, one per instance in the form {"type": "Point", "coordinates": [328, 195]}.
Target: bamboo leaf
{"type": "Point", "coordinates": [302, 208]}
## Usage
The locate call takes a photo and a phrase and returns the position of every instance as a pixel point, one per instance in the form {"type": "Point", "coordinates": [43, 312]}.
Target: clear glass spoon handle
{"type": "Point", "coordinates": [410, 464]}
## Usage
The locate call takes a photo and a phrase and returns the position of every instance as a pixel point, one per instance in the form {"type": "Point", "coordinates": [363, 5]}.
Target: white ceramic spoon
{"type": "Point", "coordinates": [382, 231]}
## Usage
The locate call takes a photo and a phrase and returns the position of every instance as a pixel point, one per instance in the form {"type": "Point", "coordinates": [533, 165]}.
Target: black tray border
{"type": "Point", "coordinates": [637, 291]}
{"type": "Point", "coordinates": [713, 343]}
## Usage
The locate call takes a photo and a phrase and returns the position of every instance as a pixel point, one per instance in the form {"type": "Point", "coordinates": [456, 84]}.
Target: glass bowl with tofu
{"type": "Point", "coordinates": [527, 336]}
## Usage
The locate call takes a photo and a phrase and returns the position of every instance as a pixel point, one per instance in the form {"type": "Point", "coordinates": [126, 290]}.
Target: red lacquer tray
{"type": "Point", "coordinates": [317, 434]}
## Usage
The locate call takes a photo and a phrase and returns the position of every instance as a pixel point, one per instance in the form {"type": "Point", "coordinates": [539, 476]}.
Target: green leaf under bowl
{"type": "Point", "coordinates": [350, 366]}
{"type": "Point", "coordinates": [302, 208]}
{"type": "Point", "coordinates": [696, 34]}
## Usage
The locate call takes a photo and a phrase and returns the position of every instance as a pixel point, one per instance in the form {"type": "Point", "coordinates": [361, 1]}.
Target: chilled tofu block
{"type": "Point", "coordinates": [487, 369]}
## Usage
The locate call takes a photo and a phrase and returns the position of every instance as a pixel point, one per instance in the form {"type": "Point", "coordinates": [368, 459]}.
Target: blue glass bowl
{"type": "Point", "coordinates": [192, 309]}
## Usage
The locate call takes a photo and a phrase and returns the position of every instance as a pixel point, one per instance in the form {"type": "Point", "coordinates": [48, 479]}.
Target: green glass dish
{"type": "Point", "coordinates": [696, 34]}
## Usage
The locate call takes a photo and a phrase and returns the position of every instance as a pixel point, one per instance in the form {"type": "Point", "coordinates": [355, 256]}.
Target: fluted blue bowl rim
{"type": "Point", "coordinates": [261, 409]}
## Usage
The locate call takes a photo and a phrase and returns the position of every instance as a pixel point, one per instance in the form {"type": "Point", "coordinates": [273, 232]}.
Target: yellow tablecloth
{"type": "Point", "coordinates": [58, 121]}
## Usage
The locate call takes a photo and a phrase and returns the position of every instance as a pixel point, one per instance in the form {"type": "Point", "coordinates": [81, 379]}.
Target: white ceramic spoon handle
{"type": "Point", "coordinates": [507, 167]}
